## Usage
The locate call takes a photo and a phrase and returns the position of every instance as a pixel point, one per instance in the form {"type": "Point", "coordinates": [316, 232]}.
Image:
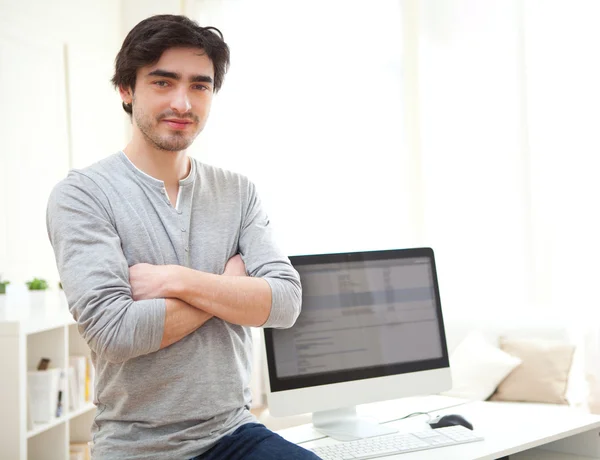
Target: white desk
{"type": "Point", "coordinates": [523, 431]}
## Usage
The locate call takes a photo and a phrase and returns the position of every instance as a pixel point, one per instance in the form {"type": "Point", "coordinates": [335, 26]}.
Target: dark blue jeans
{"type": "Point", "coordinates": [254, 441]}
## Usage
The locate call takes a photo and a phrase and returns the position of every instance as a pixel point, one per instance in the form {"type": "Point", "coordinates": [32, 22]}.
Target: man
{"type": "Point", "coordinates": [153, 248]}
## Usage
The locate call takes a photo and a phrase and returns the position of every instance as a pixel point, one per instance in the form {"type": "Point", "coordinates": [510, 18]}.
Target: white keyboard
{"type": "Point", "coordinates": [394, 444]}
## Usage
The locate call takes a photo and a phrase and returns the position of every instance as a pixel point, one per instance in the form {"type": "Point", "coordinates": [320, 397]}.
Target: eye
{"type": "Point", "coordinates": [161, 83]}
{"type": "Point", "coordinates": [201, 87]}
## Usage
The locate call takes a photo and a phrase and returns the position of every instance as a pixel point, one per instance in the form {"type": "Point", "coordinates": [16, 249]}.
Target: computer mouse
{"type": "Point", "coordinates": [450, 420]}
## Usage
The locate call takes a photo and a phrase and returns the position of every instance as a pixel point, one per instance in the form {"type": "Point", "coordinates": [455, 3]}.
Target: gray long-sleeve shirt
{"type": "Point", "coordinates": [173, 403]}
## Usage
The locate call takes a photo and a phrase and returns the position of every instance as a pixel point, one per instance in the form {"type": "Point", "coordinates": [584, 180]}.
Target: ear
{"type": "Point", "coordinates": [126, 94]}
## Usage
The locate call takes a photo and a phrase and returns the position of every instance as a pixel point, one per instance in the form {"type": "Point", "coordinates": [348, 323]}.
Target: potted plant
{"type": "Point", "coordinates": [37, 284]}
{"type": "Point", "coordinates": [3, 286]}
{"type": "Point", "coordinates": [37, 292]}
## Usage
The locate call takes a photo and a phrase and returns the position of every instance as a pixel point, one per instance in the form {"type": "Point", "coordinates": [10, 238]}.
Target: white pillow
{"type": "Point", "coordinates": [478, 367]}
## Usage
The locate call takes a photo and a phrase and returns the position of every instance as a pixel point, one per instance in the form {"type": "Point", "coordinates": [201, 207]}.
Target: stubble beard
{"type": "Point", "coordinates": [173, 142]}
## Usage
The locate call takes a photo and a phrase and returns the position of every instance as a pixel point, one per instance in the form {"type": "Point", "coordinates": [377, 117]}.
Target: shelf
{"type": "Point", "coordinates": [35, 325]}
{"type": "Point", "coordinates": [41, 427]}
{"type": "Point", "coordinates": [88, 406]}
{"type": "Point", "coordinates": [30, 313]}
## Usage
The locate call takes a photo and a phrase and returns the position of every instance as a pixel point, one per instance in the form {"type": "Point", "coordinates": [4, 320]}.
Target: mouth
{"type": "Point", "coordinates": [176, 123]}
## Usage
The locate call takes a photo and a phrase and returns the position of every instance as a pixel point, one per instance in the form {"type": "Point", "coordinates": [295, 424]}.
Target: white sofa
{"type": "Point", "coordinates": [492, 328]}
{"type": "Point", "coordinates": [527, 326]}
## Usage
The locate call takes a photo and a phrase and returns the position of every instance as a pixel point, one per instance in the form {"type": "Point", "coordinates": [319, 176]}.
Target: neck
{"type": "Point", "coordinates": [169, 167]}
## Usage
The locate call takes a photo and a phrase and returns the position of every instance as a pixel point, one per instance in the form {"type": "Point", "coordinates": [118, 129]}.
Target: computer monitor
{"type": "Point", "coordinates": [370, 329]}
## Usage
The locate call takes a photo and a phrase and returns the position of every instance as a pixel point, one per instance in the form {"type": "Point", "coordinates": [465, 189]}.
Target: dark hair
{"type": "Point", "coordinates": [148, 40]}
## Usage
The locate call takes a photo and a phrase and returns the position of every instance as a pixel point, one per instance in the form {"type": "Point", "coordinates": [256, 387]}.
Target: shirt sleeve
{"type": "Point", "coordinates": [263, 258]}
{"type": "Point", "coordinates": [95, 275]}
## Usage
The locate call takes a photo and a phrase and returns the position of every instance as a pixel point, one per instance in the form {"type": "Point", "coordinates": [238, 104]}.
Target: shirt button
{"type": "Point", "coordinates": [187, 249]}
{"type": "Point", "coordinates": [183, 229]}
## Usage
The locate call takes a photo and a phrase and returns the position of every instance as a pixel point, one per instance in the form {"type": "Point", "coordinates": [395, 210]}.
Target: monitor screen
{"type": "Point", "coordinates": [364, 315]}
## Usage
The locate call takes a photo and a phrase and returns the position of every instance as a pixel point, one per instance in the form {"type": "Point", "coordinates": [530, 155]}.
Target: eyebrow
{"type": "Point", "coordinates": [177, 76]}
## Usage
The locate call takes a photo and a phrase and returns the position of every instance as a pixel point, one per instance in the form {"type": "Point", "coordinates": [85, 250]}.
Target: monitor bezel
{"type": "Point", "coordinates": [297, 382]}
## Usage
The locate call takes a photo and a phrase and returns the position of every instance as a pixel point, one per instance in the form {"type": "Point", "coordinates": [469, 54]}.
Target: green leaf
{"type": "Point", "coordinates": [37, 284]}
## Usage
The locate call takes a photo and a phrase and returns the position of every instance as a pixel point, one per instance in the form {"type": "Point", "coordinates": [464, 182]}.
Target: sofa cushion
{"type": "Point", "coordinates": [543, 374]}
{"type": "Point", "coordinates": [478, 367]}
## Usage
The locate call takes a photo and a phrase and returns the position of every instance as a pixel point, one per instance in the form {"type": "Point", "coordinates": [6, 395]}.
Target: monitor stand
{"type": "Point", "coordinates": [345, 425]}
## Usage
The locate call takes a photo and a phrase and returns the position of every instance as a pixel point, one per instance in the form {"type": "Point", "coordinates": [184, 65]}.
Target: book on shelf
{"type": "Point", "coordinates": [79, 364]}
{"type": "Point", "coordinates": [73, 393]}
{"type": "Point", "coordinates": [90, 381]}
{"type": "Point", "coordinates": [62, 391]}
{"type": "Point", "coordinates": [79, 451]}
{"type": "Point", "coordinates": [43, 388]}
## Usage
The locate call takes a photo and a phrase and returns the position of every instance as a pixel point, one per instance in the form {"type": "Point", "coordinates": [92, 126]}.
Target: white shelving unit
{"type": "Point", "coordinates": [32, 326]}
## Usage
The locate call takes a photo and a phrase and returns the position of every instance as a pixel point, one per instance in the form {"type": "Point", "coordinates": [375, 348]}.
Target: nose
{"type": "Point", "coordinates": [181, 101]}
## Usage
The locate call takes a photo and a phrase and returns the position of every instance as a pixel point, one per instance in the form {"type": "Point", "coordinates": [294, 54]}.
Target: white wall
{"type": "Point", "coordinates": [133, 11]}
{"type": "Point", "coordinates": [58, 111]}
{"type": "Point", "coordinates": [313, 111]}
{"type": "Point", "coordinates": [493, 113]}
{"type": "Point", "coordinates": [90, 124]}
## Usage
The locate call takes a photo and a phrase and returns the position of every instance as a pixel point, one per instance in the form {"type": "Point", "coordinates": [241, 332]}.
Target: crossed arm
{"type": "Point", "coordinates": [123, 311]}
{"type": "Point", "coordinates": [193, 297]}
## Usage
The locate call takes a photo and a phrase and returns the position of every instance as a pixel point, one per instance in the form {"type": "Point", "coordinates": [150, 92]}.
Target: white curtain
{"type": "Point", "coordinates": [563, 95]}
{"type": "Point", "coordinates": [510, 120]}
{"type": "Point", "coordinates": [324, 97]}
{"type": "Point", "coordinates": [564, 120]}
{"type": "Point", "coordinates": [473, 152]}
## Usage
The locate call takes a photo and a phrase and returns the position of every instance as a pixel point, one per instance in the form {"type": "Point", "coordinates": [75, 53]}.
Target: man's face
{"type": "Point", "coordinates": [172, 98]}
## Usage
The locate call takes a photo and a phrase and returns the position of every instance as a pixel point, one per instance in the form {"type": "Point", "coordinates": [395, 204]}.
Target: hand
{"type": "Point", "coordinates": [148, 281]}
{"type": "Point", "coordinates": [235, 267]}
